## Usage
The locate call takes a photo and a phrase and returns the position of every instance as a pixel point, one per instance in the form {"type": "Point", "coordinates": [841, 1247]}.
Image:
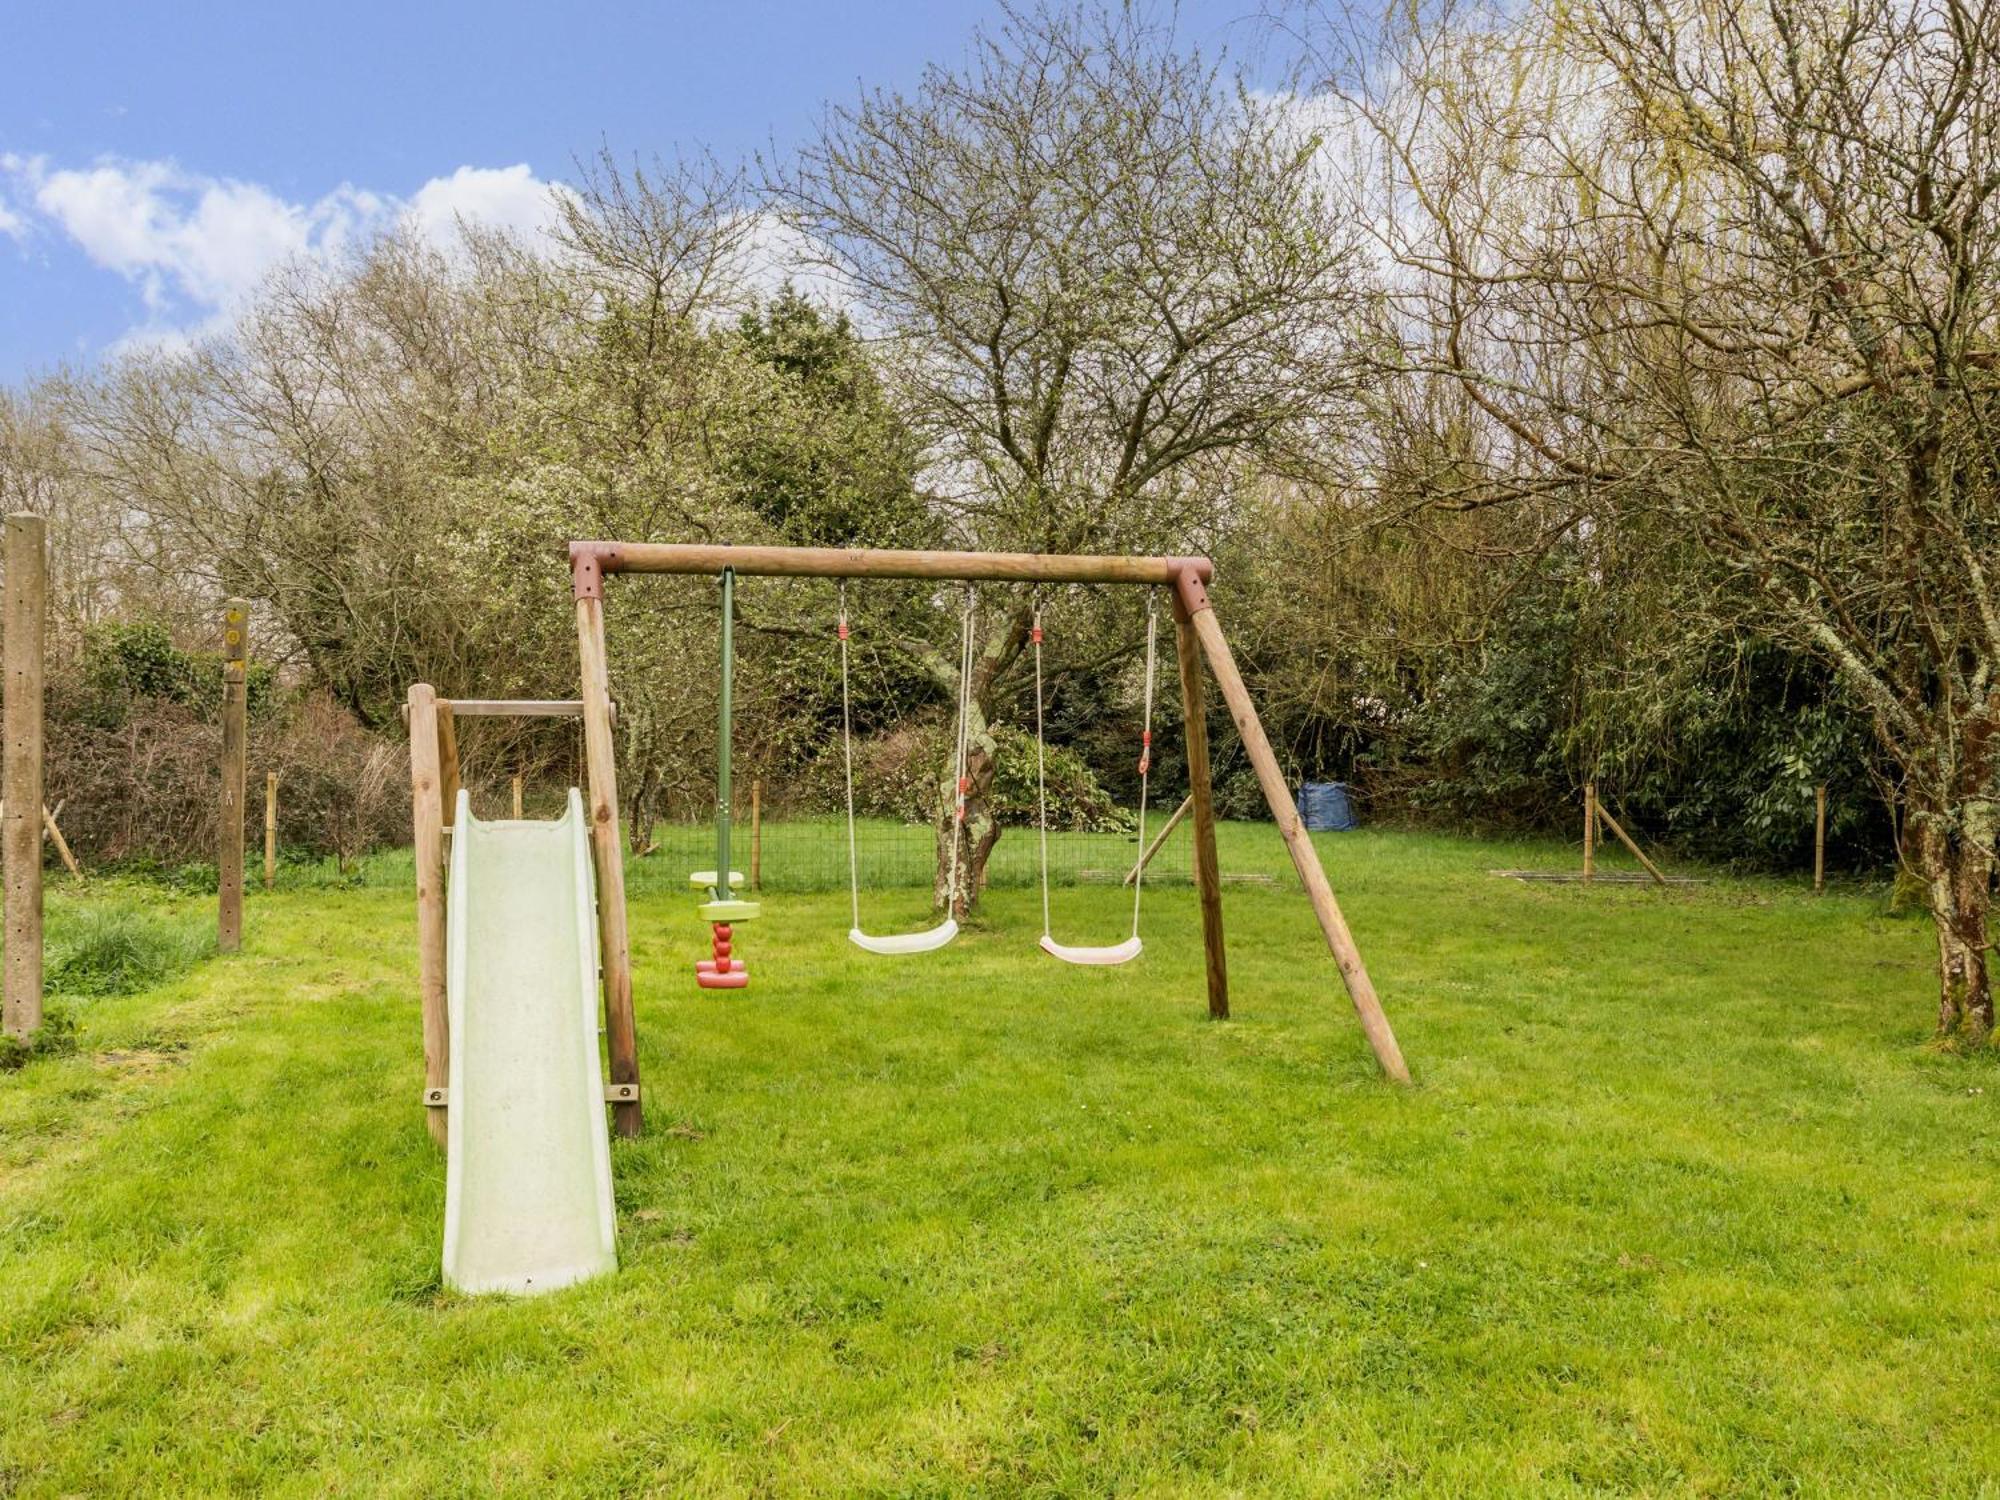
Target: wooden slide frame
{"type": "Point", "coordinates": [1198, 638]}
{"type": "Point", "coordinates": [433, 799]}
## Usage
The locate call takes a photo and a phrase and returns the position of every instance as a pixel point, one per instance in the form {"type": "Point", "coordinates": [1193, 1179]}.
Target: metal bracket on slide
{"type": "Point", "coordinates": [614, 1093]}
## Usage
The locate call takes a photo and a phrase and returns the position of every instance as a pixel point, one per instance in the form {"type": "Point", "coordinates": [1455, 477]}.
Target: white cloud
{"type": "Point", "coordinates": [509, 198]}
{"type": "Point", "coordinates": [197, 247]}
{"type": "Point", "coordinates": [774, 254]}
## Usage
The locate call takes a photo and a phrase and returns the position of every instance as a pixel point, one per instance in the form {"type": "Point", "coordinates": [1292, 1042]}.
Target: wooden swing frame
{"type": "Point", "coordinates": [1197, 636]}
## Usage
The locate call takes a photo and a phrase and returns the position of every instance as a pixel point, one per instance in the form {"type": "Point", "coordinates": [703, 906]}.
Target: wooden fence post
{"type": "Point", "coordinates": [1819, 839]}
{"type": "Point", "coordinates": [1589, 830]}
{"type": "Point", "coordinates": [270, 829]}
{"type": "Point", "coordinates": [757, 833]}
{"type": "Point", "coordinates": [1630, 843]}
{"type": "Point", "coordinates": [1145, 859]}
{"type": "Point", "coordinates": [229, 834]}
{"type": "Point", "coordinates": [55, 833]}
{"type": "Point", "coordinates": [26, 624]}
{"type": "Point", "coordinates": [517, 789]}
{"type": "Point", "coordinates": [427, 826]}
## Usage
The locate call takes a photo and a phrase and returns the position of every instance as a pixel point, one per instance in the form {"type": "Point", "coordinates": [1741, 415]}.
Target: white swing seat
{"type": "Point", "coordinates": [905, 942]}
{"type": "Point", "coordinates": [1117, 953]}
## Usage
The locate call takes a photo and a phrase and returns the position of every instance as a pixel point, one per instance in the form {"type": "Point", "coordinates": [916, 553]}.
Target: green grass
{"type": "Point", "coordinates": [1682, 1203]}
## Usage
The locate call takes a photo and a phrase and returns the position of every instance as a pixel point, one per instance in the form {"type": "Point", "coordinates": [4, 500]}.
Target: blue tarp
{"type": "Point", "coordinates": [1324, 807]}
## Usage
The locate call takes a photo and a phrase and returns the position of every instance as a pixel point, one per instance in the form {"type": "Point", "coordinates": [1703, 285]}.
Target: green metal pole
{"type": "Point", "coordinates": [722, 889]}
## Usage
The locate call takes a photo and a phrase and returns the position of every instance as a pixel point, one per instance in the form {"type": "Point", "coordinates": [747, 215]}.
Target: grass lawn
{"type": "Point", "coordinates": [1681, 1203]}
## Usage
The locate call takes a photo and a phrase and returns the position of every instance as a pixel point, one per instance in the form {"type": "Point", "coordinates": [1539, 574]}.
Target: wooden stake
{"type": "Point", "coordinates": [447, 739]}
{"type": "Point", "coordinates": [1187, 806]}
{"type": "Point", "coordinates": [1626, 839]}
{"type": "Point", "coordinates": [427, 820]}
{"type": "Point", "coordinates": [270, 829]}
{"type": "Point", "coordinates": [757, 833]}
{"type": "Point", "coordinates": [517, 796]}
{"type": "Point", "coordinates": [229, 828]}
{"type": "Point", "coordinates": [1589, 829]}
{"type": "Point", "coordinates": [21, 772]}
{"type": "Point", "coordinates": [601, 770]}
{"type": "Point", "coordinates": [1201, 792]}
{"type": "Point", "coordinates": [55, 834]}
{"type": "Point", "coordinates": [1305, 859]}
{"type": "Point", "coordinates": [1819, 839]}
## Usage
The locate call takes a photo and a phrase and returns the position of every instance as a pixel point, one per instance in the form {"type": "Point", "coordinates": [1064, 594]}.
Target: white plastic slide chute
{"type": "Point", "coordinates": [527, 1198]}
{"type": "Point", "coordinates": [905, 942]}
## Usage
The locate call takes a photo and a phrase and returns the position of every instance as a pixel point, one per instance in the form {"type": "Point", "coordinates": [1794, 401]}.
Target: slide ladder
{"type": "Point", "coordinates": [527, 1202]}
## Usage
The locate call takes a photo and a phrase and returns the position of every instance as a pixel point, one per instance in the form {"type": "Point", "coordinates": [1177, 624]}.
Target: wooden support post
{"type": "Point", "coordinates": [447, 740]}
{"type": "Point", "coordinates": [1145, 859]}
{"type": "Point", "coordinates": [26, 608]}
{"type": "Point", "coordinates": [1589, 829]}
{"type": "Point", "coordinates": [427, 820]}
{"type": "Point", "coordinates": [757, 833]}
{"type": "Point", "coordinates": [1626, 839]}
{"type": "Point", "coordinates": [601, 770]}
{"type": "Point", "coordinates": [1201, 792]}
{"type": "Point", "coordinates": [517, 790]}
{"type": "Point", "coordinates": [229, 834]}
{"type": "Point", "coordinates": [1305, 859]}
{"type": "Point", "coordinates": [55, 834]}
{"type": "Point", "coordinates": [1819, 839]}
{"type": "Point", "coordinates": [270, 829]}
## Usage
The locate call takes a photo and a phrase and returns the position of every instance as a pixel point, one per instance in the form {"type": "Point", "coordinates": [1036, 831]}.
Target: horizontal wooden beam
{"type": "Point", "coordinates": [592, 559]}
{"type": "Point", "coordinates": [513, 708]}
{"type": "Point", "coordinates": [516, 708]}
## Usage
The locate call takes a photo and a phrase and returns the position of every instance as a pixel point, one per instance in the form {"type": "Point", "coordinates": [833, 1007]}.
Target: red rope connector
{"type": "Point", "coordinates": [1145, 751]}
{"type": "Point", "coordinates": [1035, 635]}
{"type": "Point", "coordinates": [843, 630]}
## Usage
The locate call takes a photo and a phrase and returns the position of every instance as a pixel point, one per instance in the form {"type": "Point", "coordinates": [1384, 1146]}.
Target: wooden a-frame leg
{"type": "Point", "coordinates": [1305, 859]}
{"type": "Point", "coordinates": [1207, 869]}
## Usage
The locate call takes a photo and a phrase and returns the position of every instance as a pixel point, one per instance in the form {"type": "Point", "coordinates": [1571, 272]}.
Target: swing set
{"type": "Point", "coordinates": [1198, 639]}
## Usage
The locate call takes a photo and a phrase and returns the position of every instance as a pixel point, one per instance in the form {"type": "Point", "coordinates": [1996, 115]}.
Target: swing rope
{"type": "Point", "coordinates": [1041, 763]}
{"type": "Point", "coordinates": [938, 936]}
{"type": "Point", "coordinates": [1130, 948]}
{"type": "Point", "coordinates": [847, 754]}
{"type": "Point", "coordinates": [1145, 754]}
{"type": "Point", "coordinates": [959, 758]}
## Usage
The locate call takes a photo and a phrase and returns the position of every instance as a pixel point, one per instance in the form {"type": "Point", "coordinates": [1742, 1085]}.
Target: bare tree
{"type": "Point", "coordinates": [1107, 285]}
{"type": "Point", "coordinates": [1732, 270]}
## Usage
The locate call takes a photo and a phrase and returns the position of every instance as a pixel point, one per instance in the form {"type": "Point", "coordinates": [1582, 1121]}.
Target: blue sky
{"type": "Point", "coordinates": [156, 159]}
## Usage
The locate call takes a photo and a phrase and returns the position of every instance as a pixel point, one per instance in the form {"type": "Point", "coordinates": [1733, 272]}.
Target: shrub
{"type": "Point", "coordinates": [116, 950]}
{"type": "Point", "coordinates": [143, 792]}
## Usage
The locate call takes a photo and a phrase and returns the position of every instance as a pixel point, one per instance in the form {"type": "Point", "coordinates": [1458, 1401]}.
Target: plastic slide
{"type": "Point", "coordinates": [527, 1198]}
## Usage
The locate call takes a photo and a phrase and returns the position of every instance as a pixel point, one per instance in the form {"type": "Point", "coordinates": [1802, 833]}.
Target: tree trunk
{"type": "Point", "coordinates": [980, 832]}
{"type": "Point", "coordinates": [982, 823]}
{"type": "Point", "coordinates": [1954, 858]}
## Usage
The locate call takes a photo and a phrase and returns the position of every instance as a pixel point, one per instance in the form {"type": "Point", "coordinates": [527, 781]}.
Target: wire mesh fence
{"type": "Point", "coordinates": [811, 854]}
